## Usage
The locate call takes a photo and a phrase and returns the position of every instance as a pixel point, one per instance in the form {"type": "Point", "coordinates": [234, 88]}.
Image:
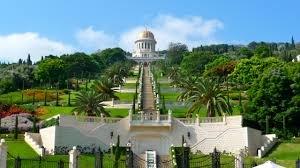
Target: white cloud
{"type": "Point", "coordinates": [191, 30]}
{"type": "Point", "coordinates": [91, 39]}
{"type": "Point", "coordinates": [19, 45]}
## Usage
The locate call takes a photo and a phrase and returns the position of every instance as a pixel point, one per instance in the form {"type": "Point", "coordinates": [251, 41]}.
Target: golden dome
{"type": "Point", "coordinates": [146, 34]}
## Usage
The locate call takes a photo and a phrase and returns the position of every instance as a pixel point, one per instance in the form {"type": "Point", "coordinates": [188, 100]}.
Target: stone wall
{"type": "Point", "coordinates": [227, 136]}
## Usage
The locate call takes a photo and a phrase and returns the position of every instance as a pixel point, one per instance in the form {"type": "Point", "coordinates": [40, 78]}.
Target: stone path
{"type": "Point", "coordinates": [148, 98]}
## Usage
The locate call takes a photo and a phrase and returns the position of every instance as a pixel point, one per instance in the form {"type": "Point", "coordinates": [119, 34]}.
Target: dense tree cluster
{"type": "Point", "coordinates": [57, 71]}
{"type": "Point", "coordinates": [262, 75]}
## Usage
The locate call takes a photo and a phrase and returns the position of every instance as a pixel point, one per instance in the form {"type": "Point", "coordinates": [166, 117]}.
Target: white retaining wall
{"type": "Point", "coordinates": [48, 138]}
{"type": "Point", "coordinates": [227, 136]}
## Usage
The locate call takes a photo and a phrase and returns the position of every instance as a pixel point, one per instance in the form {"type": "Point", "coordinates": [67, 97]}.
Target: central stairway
{"type": "Point", "coordinates": [148, 97]}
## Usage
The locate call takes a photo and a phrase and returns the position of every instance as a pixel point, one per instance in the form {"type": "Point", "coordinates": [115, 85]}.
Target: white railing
{"type": "Point", "coordinates": [188, 121]}
{"type": "Point", "coordinates": [198, 120]}
{"type": "Point", "coordinates": [97, 119]}
{"type": "Point", "coordinates": [210, 119]}
{"type": "Point", "coordinates": [164, 117]}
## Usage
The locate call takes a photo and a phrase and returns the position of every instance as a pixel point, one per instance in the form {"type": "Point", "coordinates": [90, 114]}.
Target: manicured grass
{"type": "Point", "coordinates": [54, 110]}
{"type": "Point", "coordinates": [14, 98]}
{"type": "Point", "coordinates": [180, 112]}
{"type": "Point", "coordinates": [128, 97]}
{"type": "Point", "coordinates": [116, 112]}
{"type": "Point", "coordinates": [170, 97]}
{"type": "Point", "coordinates": [129, 86]}
{"type": "Point", "coordinates": [24, 151]}
{"type": "Point", "coordinates": [285, 151]}
{"type": "Point", "coordinates": [20, 148]}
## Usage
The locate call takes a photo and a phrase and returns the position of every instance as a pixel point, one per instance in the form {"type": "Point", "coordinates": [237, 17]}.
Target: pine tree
{"type": "Point", "coordinates": [29, 62]}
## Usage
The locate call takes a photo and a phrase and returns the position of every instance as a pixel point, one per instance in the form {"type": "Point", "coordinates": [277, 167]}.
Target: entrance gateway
{"type": "Point", "coordinates": [146, 131]}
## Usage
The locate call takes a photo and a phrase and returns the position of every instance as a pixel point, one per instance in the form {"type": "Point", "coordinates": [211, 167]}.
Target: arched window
{"type": "Point", "coordinates": [142, 45]}
{"type": "Point", "coordinates": [148, 45]}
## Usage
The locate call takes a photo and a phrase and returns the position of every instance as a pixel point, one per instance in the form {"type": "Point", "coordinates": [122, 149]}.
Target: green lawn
{"type": "Point", "coordinates": [129, 85]}
{"type": "Point", "coordinates": [285, 153]}
{"type": "Point", "coordinates": [20, 148]}
{"type": "Point", "coordinates": [24, 151]}
{"type": "Point", "coordinates": [14, 98]}
{"type": "Point", "coordinates": [54, 110]}
{"type": "Point", "coordinates": [171, 97]}
{"type": "Point", "coordinates": [128, 97]}
{"type": "Point", "coordinates": [114, 112]}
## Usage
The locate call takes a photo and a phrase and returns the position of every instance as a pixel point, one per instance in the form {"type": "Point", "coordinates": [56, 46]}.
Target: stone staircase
{"type": "Point", "coordinates": [34, 141]}
{"type": "Point", "coordinates": [269, 141]}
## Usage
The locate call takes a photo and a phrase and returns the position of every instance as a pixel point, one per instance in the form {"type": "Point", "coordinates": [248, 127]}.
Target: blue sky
{"type": "Point", "coordinates": [65, 26]}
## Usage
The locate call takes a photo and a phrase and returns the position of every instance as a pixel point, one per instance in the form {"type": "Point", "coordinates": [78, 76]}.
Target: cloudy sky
{"type": "Point", "coordinates": [57, 27]}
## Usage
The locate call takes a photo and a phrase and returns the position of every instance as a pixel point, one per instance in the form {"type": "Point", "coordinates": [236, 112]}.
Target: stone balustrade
{"type": "Point", "coordinates": [101, 119]}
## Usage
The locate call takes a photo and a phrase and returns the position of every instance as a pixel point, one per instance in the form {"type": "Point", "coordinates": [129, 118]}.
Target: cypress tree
{"type": "Point", "coordinates": [33, 98]}
{"type": "Point", "coordinates": [77, 84]}
{"type": "Point", "coordinates": [240, 102]}
{"type": "Point", "coordinates": [293, 43]}
{"type": "Point", "coordinates": [56, 98]}
{"type": "Point", "coordinates": [45, 98]}
{"type": "Point", "coordinates": [22, 99]}
{"type": "Point", "coordinates": [133, 104]}
{"type": "Point", "coordinates": [163, 105]}
{"type": "Point", "coordinates": [117, 153]}
{"type": "Point", "coordinates": [267, 124]}
{"type": "Point", "coordinates": [29, 62]}
{"type": "Point", "coordinates": [86, 85]}
{"type": "Point", "coordinates": [284, 126]}
{"type": "Point", "coordinates": [16, 130]}
{"type": "Point", "coordinates": [69, 98]}
{"type": "Point", "coordinates": [34, 127]}
{"type": "Point", "coordinates": [0, 128]}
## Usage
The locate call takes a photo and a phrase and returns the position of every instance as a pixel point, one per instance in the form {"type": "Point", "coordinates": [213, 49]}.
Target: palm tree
{"type": "Point", "coordinates": [117, 72]}
{"type": "Point", "coordinates": [89, 103]}
{"type": "Point", "coordinates": [204, 91]}
{"type": "Point", "coordinates": [104, 88]}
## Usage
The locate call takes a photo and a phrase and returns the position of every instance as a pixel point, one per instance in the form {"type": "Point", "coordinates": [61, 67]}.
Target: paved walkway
{"type": "Point", "coordinates": [148, 98]}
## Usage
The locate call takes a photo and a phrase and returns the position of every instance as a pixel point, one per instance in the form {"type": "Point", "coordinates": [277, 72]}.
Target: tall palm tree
{"type": "Point", "coordinates": [207, 92]}
{"type": "Point", "coordinates": [117, 72]}
{"type": "Point", "coordinates": [89, 103]}
{"type": "Point", "coordinates": [104, 87]}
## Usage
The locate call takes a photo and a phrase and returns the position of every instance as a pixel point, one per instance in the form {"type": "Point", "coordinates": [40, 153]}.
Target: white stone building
{"type": "Point", "coordinates": [144, 48]}
{"type": "Point", "coordinates": [145, 45]}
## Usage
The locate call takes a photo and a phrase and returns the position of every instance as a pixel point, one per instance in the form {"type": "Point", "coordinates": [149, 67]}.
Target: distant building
{"type": "Point", "coordinates": [144, 50]}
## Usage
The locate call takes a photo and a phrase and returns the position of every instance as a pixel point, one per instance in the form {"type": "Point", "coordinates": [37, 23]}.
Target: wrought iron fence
{"type": "Point", "coordinates": [17, 162]}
